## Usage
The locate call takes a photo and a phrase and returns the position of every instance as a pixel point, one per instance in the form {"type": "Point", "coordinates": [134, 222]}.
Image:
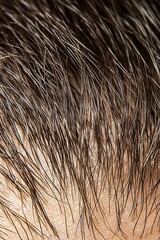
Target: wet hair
{"type": "Point", "coordinates": [80, 85]}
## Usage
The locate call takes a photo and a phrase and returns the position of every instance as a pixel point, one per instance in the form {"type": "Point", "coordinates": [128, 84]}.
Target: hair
{"type": "Point", "coordinates": [80, 83]}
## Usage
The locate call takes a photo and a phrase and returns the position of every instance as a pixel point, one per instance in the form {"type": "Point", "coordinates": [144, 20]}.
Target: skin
{"type": "Point", "coordinates": [66, 218]}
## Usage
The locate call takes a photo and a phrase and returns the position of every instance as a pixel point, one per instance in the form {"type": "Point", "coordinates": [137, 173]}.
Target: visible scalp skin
{"type": "Point", "coordinates": [80, 117]}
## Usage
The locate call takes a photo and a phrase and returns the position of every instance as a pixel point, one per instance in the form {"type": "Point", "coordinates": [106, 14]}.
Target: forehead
{"type": "Point", "coordinates": [63, 203]}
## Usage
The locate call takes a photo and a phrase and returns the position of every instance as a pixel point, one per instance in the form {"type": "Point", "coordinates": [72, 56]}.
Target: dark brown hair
{"type": "Point", "coordinates": [77, 76]}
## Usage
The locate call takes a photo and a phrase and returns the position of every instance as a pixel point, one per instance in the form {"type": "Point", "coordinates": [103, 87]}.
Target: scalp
{"type": "Point", "coordinates": [80, 111]}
